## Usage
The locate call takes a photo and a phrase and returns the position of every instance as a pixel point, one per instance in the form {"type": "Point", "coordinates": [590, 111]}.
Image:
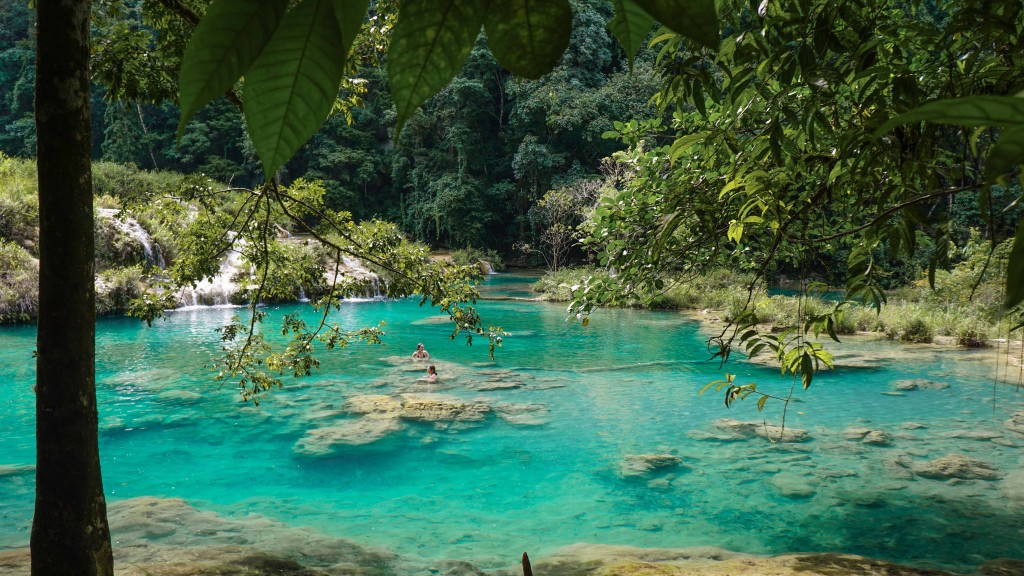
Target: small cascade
{"type": "Point", "coordinates": [358, 273]}
{"type": "Point", "coordinates": [485, 267]}
{"type": "Point", "coordinates": [219, 290]}
{"type": "Point", "coordinates": [131, 227]}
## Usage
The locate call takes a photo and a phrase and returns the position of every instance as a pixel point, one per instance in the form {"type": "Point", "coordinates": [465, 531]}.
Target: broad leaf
{"type": "Point", "coordinates": [695, 19]}
{"type": "Point", "coordinates": [291, 87]}
{"type": "Point", "coordinates": [350, 15]}
{"type": "Point", "coordinates": [227, 40]}
{"type": "Point", "coordinates": [967, 111]}
{"type": "Point", "coordinates": [630, 26]}
{"type": "Point", "coordinates": [430, 42]}
{"type": "Point", "coordinates": [1015, 271]}
{"type": "Point", "coordinates": [528, 37]}
{"type": "Point", "coordinates": [1006, 153]}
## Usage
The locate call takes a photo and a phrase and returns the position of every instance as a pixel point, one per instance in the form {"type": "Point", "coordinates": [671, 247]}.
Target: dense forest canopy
{"type": "Point", "coordinates": [465, 171]}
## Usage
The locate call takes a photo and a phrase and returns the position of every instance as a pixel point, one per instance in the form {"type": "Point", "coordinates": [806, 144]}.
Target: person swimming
{"type": "Point", "coordinates": [431, 373]}
{"type": "Point", "coordinates": [421, 353]}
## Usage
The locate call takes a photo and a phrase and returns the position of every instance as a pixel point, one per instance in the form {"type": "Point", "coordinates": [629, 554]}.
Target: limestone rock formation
{"type": "Point", "coordinates": [956, 466]}
{"type": "Point", "coordinates": [767, 431]}
{"type": "Point", "coordinates": [645, 464]}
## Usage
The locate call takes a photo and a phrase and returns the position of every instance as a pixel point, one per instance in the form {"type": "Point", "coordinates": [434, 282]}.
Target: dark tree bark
{"type": "Point", "coordinates": [69, 531]}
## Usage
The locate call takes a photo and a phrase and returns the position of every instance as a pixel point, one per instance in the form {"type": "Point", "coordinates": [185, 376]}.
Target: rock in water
{"type": "Point", "coordinates": [645, 464]}
{"type": "Point", "coordinates": [767, 431]}
{"type": "Point", "coordinates": [919, 384]}
{"type": "Point", "coordinates": [877, 438]}
{"type": "Point", "coordinates": [327, 440]}
{"type": "Point", "coordinates": [792, 485]}
{"type": "Point", "coordinates": [1016, 422]}
{"type": "Point", "coordinates": [438, 408]}
{"type": "Point", "coordinates": [956, 466]}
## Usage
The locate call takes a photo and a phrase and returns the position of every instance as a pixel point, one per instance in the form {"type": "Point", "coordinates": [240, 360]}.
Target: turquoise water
{"type": "Point", "coordinates": [581, 400]}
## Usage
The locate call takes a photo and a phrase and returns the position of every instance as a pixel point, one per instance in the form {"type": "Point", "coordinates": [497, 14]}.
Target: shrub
{"type": "Point", "coordinates": [116, 288]}
{"type": "Point", "coordinates": [558, 285]}
{"type": "Point", "coordinates": [473, 256]}
{"type": "Point", "coordinates": [19, 284]}
{"type": "Point", "coordinates": [19, 204]}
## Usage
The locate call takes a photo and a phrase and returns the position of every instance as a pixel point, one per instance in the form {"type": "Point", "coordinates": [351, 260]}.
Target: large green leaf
{"type": "Point", "coordinates": [430, 42]}
{"type": "Point", "coordinates": [630, 26]}
{"type": "Point", "coordinates": [291, 87]}
{"type": "Point", "coordinates": [528, 37]}
{"type": "Point", "coordinates": [695, 19]}
{"type": "Point", "coordinates": [967, 111]}
{"type": "Point", "coordinates": [1015, 271]}
{"type": "Point", "coordinates": [350, 15]}
{"type": "Point", "coordinates": [227, 40]}
{"type": "Point", "coordinates": [1006, 153]}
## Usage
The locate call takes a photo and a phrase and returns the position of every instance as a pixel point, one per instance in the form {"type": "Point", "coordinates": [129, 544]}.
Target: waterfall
{"type": "Point", "coordinates": [356, 272]}
{"type": "Point", "coordinates": [485, 267]}
{"type": "Point", "coordinates": [219, 290]}
{"type": "Point", "coordinates": [130, 227]}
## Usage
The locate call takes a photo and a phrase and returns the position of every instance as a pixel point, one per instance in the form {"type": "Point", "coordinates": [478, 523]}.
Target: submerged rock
{"type": "Point", "coordinates": [975, 434]}
{"type": "Point", "coordinates": [855, 433]}
{"type": "Point", "coordinates": [1001, 567]}
{"type": "Point", "coordinates": [378, 405]}
{"type": "Point", "coordinates": [1012, 486]}
{"type": "Point", "coordinates": [867, 436]}
{"type": "Point", "coordinates": [611, 560]}
{"type": "Point", "coordinates": [1016, 422]}
{"type": "Point", "coordinates": [327, 440]}
{"type": "Point", "coordinates": [877, 438]}
{"type": "Point", "coordinates": [918, 384]}
{"type": "Point", "coordinates": [792, 485]}
{"type": "Point", "coordinates": [956, 466]}
{"type": "Point", "coordinates": [646, 464]}
{"type": "Point", "coordinates": [523, 414]}
{"type": "Point", "coordinates": [439, 408]}
{"type": "Point", "coordinates": [16, 469]}
{"type": "Point", "coordinates": [767, 431]}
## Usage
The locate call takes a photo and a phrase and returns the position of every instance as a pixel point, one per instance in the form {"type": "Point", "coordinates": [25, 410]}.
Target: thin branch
{"type": "Point", "coordinates": [887, 213]}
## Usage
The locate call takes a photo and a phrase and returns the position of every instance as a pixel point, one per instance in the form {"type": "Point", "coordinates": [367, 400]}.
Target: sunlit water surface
{"type": "Point", "coordinates": [586, 398]}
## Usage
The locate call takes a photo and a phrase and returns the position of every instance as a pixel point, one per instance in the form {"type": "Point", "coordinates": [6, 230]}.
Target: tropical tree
{"type": "Point", "coordinates": [801, 138]}
{"type": "Point", "coordinates": [557, 216]}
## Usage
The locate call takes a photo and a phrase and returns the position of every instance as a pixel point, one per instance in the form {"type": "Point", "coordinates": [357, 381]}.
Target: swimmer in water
{"type": "Point", "coordinates": [421, 353]}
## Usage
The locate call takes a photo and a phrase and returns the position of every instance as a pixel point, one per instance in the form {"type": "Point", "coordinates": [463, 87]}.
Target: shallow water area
{"type": "Point", "coordinates": [572, 434]}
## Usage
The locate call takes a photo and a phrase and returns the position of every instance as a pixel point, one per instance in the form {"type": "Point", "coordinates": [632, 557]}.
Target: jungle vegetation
{"type": "Point", "coordinates": [791, 138]}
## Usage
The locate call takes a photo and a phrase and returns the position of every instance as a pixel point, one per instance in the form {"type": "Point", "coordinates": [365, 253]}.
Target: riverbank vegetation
{"type": "Point", "coordinates": [964, 306]}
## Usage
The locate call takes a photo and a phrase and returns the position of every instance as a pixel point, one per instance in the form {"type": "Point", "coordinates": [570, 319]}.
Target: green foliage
{"type": "Point", "coordinates": [19, 204]}
{"type": "Point", "coordinates": [19, 284]}
{"type": "Point", "coordinates": [292, 85]}
{"type": "Point", "coordinates": [300, 66]}
{"type": "Point", "coordinates": [117, 288]}
{"type": "Point", "coordinates": [228, 40]}
{"type": "Point", "coordinates": [560, 285]}
{"type": "Point", "coordinates": [771, 163]}
{"type": "Point", "coordinates": [528, 38]}
{"type": "Point", "coordinates": [630, 26]}
{"type": "Point", "coordinates": [474, 256]}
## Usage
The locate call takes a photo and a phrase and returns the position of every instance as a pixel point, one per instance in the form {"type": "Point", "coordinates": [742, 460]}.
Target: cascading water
{"type": "Point", "coordinates": [131, 227]}
{"type": "Point", "coordinates": [355, 270]}
{"type": "Point", "coordinates": [219, 290]}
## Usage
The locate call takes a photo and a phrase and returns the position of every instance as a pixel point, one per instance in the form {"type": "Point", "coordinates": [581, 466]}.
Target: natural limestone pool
{"type": "Point", "coordinates": [572, 435]}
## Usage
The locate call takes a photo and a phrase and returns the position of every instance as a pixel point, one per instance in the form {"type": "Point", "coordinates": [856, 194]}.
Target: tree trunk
{"type": "Point", "coordinates": [69, 531]}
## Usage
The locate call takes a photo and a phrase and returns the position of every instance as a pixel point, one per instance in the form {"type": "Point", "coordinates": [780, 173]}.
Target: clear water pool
{"type": "Point", "coordinates": [544, 468]}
